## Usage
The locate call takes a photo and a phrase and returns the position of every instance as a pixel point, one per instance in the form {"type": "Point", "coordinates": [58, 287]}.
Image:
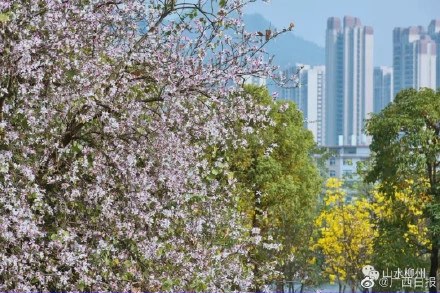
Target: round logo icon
{"type": "Point", "coordinates": [367, 283]}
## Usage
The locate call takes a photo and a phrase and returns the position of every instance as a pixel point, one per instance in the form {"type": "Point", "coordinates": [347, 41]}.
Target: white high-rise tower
{"type": "Point", "coordinates": [434, 33]}
{"type": "Point", "coordinates": [383, 87]}
{"type": "Point", "coordinates": [349, 80]}
{"type": "Point", "coordinates": [414, 59]}
{"type": "Point", "coordinates": [309, 97]}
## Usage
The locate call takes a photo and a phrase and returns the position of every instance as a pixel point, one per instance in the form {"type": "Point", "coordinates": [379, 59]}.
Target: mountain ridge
{"type": "Point", "coordinates": [288, 49]}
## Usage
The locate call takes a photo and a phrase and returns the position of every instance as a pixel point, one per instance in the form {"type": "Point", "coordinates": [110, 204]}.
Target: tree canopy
{"type": "Point", "coordinates": [346, 236]}
{"type": "Point", "coordinates": [278, 184]}
{"type": "Point", "coordinates": [106, 110]}
{"type": "Point", "coordinates": [406, 154]}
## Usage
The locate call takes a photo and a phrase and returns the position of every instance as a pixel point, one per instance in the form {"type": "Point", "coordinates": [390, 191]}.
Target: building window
{"type": "Point", "coordinates": [347, 172]}
{"type": "Point", "coordinates": [350, 150]}
{"type": "Point", "coordinates": [347, 162]}
{"type": "Point", "coordinates": [332, 161]}
{"type": "Point", "coordinates": [332, 173]}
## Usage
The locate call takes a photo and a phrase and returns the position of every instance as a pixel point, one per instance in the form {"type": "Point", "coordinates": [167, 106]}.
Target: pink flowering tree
{"type": "Point", "coordinates": [106, 111]}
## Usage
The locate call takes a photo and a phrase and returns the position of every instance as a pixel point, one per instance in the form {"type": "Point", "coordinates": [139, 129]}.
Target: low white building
{"type": "Point", "coordinates": [343, 163]}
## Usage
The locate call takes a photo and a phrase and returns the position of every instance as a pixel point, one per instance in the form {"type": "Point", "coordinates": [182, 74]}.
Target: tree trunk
{"type": "Point", "coordinates": [257, 286]}
{"type": "Point", "coordinates": [254, 260]}
{"type": "Point", "coordinates": [434, 264]}
{"type": "Point", "coordinates": [256, 224]}
{"type": "Point", "coordinates": [280, 287]}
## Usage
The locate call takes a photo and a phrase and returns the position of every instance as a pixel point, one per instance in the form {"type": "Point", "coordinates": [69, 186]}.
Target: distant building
{"type": "Point", "coordinates": [414, 58]}
{"type": "Point", "coordinates": [434, 33]}
{"type": "Point", "coordinates": [383, 87]}
{"type": "Point", "coordinates": [309, 97]}
{"type": "Point", "coordinates": [349, 81]}
{"type": "Point", "coordinates": [344, 162]}
{"type": "Point", "coordinates": [255, 80]}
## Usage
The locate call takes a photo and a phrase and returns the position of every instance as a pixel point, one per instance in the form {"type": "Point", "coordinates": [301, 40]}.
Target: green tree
{"type": "Point", "coordinates": [405, 147]}
{"type": "Point", "coordinates": [278, 184]}
{"type": "Point", "coordinates": [401, 232]}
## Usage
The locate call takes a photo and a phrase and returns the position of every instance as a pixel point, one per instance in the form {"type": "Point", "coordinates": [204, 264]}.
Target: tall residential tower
{"type": "Point", "coordinates": [434, 33]}
{"type": "Point", "coordinates": [349, 80]}
{"type": "Point", "coordinates": [414, 59]}
{"type": "Point", "coordinates": [309, 97]}
{"type": "Point", "coordinates": [383, 87]}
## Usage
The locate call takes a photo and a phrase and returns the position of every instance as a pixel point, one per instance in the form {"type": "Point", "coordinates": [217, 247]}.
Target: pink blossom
{"type": "Point", "coordinates": [107, 122]}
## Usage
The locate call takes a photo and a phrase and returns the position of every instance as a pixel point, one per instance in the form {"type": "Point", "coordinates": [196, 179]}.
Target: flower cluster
{"type": "Point", "coordinates": [106, 110]}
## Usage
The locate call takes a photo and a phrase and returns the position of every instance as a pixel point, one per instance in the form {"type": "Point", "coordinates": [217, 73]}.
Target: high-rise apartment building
{"type": "Point", "coordinates": [309, 97]}
{"type": "Point", "coordinates": [383, 87]}
{"type": "Point", "coordinates": [414, 59]}
{"type": "Point", "coordinates": [434, 33]}
{"type": "Point", "coordinates": [349, 80]}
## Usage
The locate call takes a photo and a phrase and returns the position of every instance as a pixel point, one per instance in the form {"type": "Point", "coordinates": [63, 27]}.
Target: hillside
{"type": "Point", "coordinates": [287, 48]}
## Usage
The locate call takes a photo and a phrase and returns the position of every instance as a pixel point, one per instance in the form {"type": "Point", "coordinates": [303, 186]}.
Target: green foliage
{"type": "Point", "coordinates": [406, 156]}
{"type": "Point", "coordinates": [402, 235]}
{"type": "Point", "coordinates": [278, 184]}
{"type": "Point", "coordinates": [405, 137]}
{"type": "Point", "coordinates": [4, 17]}
{"type": "Point", "coordinates": [405, 145]}
{"type": "Point", "coordinates": [322, 155]}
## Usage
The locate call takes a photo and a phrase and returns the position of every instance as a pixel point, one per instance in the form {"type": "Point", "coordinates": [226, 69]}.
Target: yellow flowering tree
{"type": "Point", "coordinates": [407, 208]}
{"type": "Point", "coordinates": [389, 231]}
{"type": "Point", "coordinates": [403, 239]}
{"type": "Point", "coordinates": [346, 236]}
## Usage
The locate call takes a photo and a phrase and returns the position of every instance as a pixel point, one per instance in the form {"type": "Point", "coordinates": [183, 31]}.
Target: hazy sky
{"type": "Point", "coordinates": [310, 18]}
